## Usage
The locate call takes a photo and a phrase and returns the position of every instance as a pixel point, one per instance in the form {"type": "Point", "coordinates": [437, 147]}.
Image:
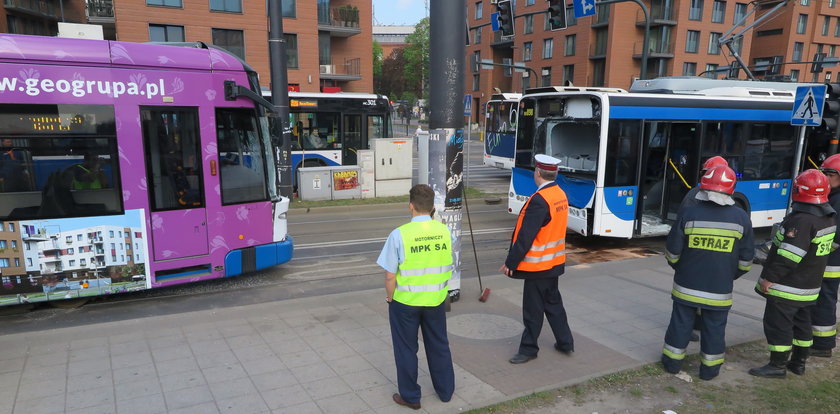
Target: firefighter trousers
{"type": "Point", "coordinates": [824, 316]}
{"type": "Point", "coordinates": [786, 325]}
{"type": "Point", "coordinates": [712, 338]}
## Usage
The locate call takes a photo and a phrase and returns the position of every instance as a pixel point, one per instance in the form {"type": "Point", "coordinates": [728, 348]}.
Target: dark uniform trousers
{"type": "Point", "coordinates": [824, 313]}
{"type": "Point", "coordinates": [405, 320]}
{"type": "Point", "coordinates": [781, 320]}
{"type": "Point", "coordinates": [542, 297]}
{"type": "Point", "coordinates": [712, 337]}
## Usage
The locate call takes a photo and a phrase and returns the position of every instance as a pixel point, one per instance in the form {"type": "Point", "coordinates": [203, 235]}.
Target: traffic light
{"type": "Point", "coordinates": [557, 14]}
{"type": "Point", "coordinates": [505, 9]}
{"type": "Point", "coordinates": [831, 111]}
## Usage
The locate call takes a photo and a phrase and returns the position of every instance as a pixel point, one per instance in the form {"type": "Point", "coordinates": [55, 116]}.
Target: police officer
{"type": "Point", "coordinates": [793, 273]}
{"type": "Point", "coordinates": [538, 255]}
{"type": "Point", "coordinates": [710, 245]}
{"type": "Point", "coordinates": [417, 258]}
{"type": "Point", "coordinates": [823, 314]}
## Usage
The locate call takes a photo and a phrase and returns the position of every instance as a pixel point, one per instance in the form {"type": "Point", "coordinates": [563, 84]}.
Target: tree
{"type": "Point", "coordinates": [392, 82]}
{"type": "Point", "coordinates": [417, 58]}
{"type": "Point", "coordinates": [377, 60]}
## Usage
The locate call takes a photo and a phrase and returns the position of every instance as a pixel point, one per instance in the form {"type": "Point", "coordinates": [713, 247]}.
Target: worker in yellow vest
{"type": "Point", "coordinates": [417, 258]}
{"type": "Point", "coordinates": [538, 255]}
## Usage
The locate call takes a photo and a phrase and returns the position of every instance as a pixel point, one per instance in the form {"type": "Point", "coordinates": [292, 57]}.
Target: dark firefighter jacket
{"type": "Point", "coordinates": [709, 246]}
{"type": "Point", "coordinates": [833, 268]}
{"type": "Point", "coordinates": [797, 260]}
{"type": "Point", "coordinates": [534, 216]}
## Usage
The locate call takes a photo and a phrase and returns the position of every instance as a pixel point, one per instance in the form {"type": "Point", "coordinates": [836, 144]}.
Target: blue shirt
{"type": "Point", "coordinates": [392, 253]}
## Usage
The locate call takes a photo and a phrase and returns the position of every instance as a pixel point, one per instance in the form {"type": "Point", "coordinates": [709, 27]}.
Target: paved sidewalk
{"type": "Point", "coordinates": [332, 354]}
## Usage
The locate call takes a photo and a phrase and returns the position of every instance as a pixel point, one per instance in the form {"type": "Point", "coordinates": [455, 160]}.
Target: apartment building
{"type": "Point", "coordinates": [329, 42]}
{"type": "Point", "coordinates": [11, 250]}
{"type": "Point", "coordinates": [78, 253]}
{"type": "Point", "coordinates": [391, 38]}
{"type": "Point", "coordinates": [604, 49]}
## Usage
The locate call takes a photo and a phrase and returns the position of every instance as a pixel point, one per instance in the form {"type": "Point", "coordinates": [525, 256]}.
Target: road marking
{"type": "Point", "coordinates": [339, 243]}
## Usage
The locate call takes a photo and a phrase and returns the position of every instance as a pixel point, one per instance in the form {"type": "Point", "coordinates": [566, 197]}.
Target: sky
{"type": "Point", "coordinates": [398, 12]}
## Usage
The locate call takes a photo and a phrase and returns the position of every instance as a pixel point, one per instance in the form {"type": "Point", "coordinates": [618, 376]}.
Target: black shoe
{"type": "Point", "coordinates": [399, 400]}
{"type": "Point", "coordinates": [521, 358]}
{"type": "Point", "coordinates": [822, 353]}
{"type": "Point", "coordinates": [769, 371]}
{"type": "Point", "coordinates": [694, 337]}
{"type": "Point", "coordinates": [454, 295]}
{"type": "Point", "coordinates": [567, 352]}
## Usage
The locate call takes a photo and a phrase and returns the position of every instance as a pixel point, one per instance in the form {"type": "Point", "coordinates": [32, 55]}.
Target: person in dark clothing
{"type": "Point", "coordinates": [690, 200]}
{"type": "Point", "coordinates": [537, 255]}
{"type": "Point", "coordinates": [709, 246]}
{"type": "Point", "coordinates": [824, 312]}
{"type": "Point", "coordinates": [793, 273]}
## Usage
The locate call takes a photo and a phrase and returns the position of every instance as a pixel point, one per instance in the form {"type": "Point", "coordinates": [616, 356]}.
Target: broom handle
{"type": "Point", "coordinates": [472, 240]}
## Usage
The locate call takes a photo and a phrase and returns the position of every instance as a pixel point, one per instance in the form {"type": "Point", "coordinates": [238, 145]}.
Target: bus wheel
{"type": "Point", "coordinates": [69, 303]}
{"type": "Point", "coordinates": [742, 202]}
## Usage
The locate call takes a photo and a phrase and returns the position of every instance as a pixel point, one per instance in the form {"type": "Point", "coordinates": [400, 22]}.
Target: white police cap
{"type": "Point", "coordinates": [546, 162]}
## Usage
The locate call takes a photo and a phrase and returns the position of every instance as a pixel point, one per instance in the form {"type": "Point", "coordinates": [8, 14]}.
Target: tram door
{"type": "Point", "coordinates": [175, 182]}
{"type": "Point", "coordinates": [352, 136]}
{"type": "Point", "coordinates": [682, 165]}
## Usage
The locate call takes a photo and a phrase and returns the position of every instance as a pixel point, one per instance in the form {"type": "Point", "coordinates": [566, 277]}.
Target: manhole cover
{"type": "Point", "coordinates": [484, 326]}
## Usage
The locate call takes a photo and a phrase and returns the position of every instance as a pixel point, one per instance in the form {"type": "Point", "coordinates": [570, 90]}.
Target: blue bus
{"type": "Point", "coordinates": [500, 130]}
{"type": "Point", "coordinates": [628, 159]}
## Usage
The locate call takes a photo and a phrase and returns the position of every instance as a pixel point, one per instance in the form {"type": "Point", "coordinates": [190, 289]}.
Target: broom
{"type": "Point", "coordinates": [485, 292]}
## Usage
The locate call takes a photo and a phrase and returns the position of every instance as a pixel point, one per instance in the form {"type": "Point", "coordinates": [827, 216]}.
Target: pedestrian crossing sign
{"type": "Point", "coordinates": [808, 105]}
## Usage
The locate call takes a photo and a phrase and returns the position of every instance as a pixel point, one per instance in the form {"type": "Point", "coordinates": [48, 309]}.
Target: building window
{"type": "Point", "coordinates": [232, 6]}
{"type": "Point", "coordinates": [530, 2]}
{"type": "Point", "coordinates": [231, 40]}
{"type": "Point", "coordinates": [12, 227]}
{"type": "Point", "coordinates": [831, 3]}
{"type": "Point", "coordinates": [797, 51]}
{"type": "Point", "coordinates": [718, 11]}
{"type": "Point", "coordinates": [72, 263]}
{"type": "Point", "coordinates": [831, 50]}
{"type": "Point", "coordinates": [691, 41]}
{"type": "Point", "coordinates": [740, 13]}
{"type": "Point", "coordinates": [804, 2]}
{"type": "Point", "coordinates": [477, 36]}
{"type": "Point", "coordinates": [568, 74]}
{"type": "Point", "coordinates": [289, 9]}
{"type": "Point", "coordinates": [571, 20]}
{"type": "Point", "coordinates": [167, 3]}
{"type": "Point", "coordinates": [29, 261]}
{"type": "Point", "coordinates": [526, 51]}
{"type": "Point", "coordinates": [82, 262]}
{"type": "Point", "coordinates": [14, 244]}
{"type": "Point", "coordinates": [508, 71]}
{"type": "Point", "coordinates": [111, 234]}
{"type": "Point", "coordinates": [695, 11]}
{"type": "Point", "coordinates": [478, 10]}
{"type": "Point", "coordinates": [4, 262]}
{"type": "Point", "coordinates": [71, 251]}
{"type": "Point", "coordinates": [166, 33]}
{"type": "Point", "coordinates": [3, 244]}
{"type": "Point", "coordinates": [548, 48]}
{"type": "Point", "coordinates": [526, 82]}
{"type": "Point", "coordinates": [529, 24]}
{"type": "Point", "coordinates": [711, 70]}
{"type": "Point", "coordinates": [291, 51]}
{"type": "Point", "coordinates": [837, 28]}
{"type": "Point", "coordinates": [476, 61]}
{"type": "Point", "coordinates": [794, 75]}
{"type": "Point", "coordinates": [714, 44]}
{"type": "Point", "coordinates": [476, 83]}
{"type": "Point", "coordinates": [801, 23]}
{"type": "Point", "coordinates": [546, 76]}
{"type": "Point", "coordinates": [78, 237]}
{"type": "Point", "coordinates": [569, 49]}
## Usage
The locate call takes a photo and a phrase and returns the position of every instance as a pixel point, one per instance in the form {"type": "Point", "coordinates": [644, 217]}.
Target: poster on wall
{"type": "Point", "coordinates": [74, 258]}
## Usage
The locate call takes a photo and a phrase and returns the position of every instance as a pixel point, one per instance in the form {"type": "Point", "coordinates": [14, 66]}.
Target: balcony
{"type": "Point", "coordinates": [659, 16]}
{"type": "Point", "coordinates": [350, 70]}
{"type": "Point", "coordinates": [45, 9]}
{"type": "Point", "coordinates": [500, 41]}
{"type": "Point", "coordinates": [100, 11]}
{"type": "Point", "coordinates": [654, 50]}
{"type": "Point", "coordinates": [598, 50]}
{"type": "Point", "coordinates": [339, 21]}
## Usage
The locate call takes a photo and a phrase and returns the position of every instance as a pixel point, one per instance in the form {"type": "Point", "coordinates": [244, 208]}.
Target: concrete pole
{"type": "Point", "coordinates": [446, 123]}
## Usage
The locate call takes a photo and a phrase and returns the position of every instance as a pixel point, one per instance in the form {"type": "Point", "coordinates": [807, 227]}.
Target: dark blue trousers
{"type": "Point", "coordinates": [542, 297]}
{"type": "Point", "coordinates": [712, 338]}
{"type": "Point", "coordinates": [405, 322]}
{"type": "Point", "coordinates": [824, 314]}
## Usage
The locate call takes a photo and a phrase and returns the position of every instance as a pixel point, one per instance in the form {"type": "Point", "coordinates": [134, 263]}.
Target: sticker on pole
{"type": "Point", "coordinates": [808, 105]}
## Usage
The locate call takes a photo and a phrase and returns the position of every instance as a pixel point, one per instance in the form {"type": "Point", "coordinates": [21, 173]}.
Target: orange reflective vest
{"type": "Point", "coordinates": [549, 247]}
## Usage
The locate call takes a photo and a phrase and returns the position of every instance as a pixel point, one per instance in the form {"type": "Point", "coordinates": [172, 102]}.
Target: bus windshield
{"type": "Point", "coordinates": [567, 129]}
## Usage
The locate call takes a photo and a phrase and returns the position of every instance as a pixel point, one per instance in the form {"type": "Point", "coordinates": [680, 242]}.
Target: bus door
{"type": "Point", "coordinates": [682, 165]}
{"type": "Point", "coordinates": [352, 137]}
{"type": "Point", "coordinates": [174, 182]}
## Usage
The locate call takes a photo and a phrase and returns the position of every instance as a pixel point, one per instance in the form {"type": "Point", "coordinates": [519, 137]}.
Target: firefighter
{"type": "Point", "coordinates": [793, 273]}
{"type": "Point", "coordinates": [709, 246]}
{"type": "Point", "coordinates": [823, 314]}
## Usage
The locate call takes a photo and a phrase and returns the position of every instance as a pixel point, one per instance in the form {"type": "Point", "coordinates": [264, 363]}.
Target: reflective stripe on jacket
{"type": "Point", "coordinates": [423, 275]}
{"type": "Point", "coordinates": [549, 246]}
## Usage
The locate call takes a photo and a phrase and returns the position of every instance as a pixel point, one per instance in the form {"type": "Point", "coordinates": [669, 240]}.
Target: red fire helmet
{"type": "Point", "coordinates": [831, 164]}
{"type": "Point", "coordinates": [720, 179]}
{"type": "Point", "coordinates": [811, 186]}
{"type": "Point", "coordinates": [715, 161]}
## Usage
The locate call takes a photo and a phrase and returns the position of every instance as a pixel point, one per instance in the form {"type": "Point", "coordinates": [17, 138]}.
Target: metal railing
{"type": "Point", "coordinates": [45, 7]}
{"type": "Point", "coordinates": [100, 8]}
{"type": "Point", "coordinates": [656, 13]}
{"type": "Point", "coordinates": [654, 48]}
{"type": "Point", "coordinates": [350, 67]}
{"type": "Point", "coordinates": [338, 16]}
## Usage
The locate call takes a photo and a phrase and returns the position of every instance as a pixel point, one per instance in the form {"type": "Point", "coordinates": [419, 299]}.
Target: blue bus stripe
{"type": "Point", "coordinates": [717, 114]}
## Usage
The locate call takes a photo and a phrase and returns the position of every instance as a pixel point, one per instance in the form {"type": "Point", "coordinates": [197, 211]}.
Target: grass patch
{"type": "Point", "coordinates": [672, 389]}
{"type": "Point", "coordinates": [471, 193]}
{"type": "Point", "coordinates": [536, 399]}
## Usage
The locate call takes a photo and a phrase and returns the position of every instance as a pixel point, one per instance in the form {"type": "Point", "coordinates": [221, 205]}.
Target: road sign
{"type": "Point", "coordinates": [808, 106]}
{"type": "Point", "coordinates": [584, 8]}
{"type": "Point", "coordinates": [494, 21]}
{"type": "Point", "coordinates": [467, 105]}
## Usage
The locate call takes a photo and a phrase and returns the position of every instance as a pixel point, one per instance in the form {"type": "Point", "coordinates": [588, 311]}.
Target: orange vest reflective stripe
{"type": "Point", "coordinates": [549, 247]}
